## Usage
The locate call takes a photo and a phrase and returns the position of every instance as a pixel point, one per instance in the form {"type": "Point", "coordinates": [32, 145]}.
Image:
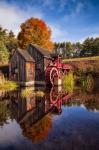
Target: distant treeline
{"type": "Point", "coordinates": [90, 47]}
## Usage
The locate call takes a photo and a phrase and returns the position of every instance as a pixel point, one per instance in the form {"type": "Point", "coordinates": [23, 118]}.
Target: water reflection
{"type": "Point", "coordinates": [36, 107]}
{"type": "Point", "coordinates": [30, 110]}
{"type": "Point", "coordinates": [4, 112]}
{"type": "Point", "coordinates": [34, 113]}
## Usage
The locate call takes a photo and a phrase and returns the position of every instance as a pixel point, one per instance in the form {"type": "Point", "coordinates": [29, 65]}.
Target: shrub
{"type": "Point", "coordinates": [68, 82]}
{"type": "Point", "coordinates": [29, 91]}
{"type": "Point", "coordinates": [8, 85]}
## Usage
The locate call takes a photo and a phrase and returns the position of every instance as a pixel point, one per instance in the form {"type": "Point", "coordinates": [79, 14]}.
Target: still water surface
{"type": "Point", "coordinates": [55, 120]}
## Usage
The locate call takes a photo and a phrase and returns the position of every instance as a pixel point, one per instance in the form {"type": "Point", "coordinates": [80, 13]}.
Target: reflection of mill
{"type": "Point", "coordinates": [32, 112]}
{"type": "Point", "coordinates": [33, 108]}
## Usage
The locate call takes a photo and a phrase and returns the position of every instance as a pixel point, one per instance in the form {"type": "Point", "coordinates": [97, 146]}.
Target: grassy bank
{"type": "Point", "coordinates": [8, 85]}
{"type": "Point", "coordinates": [81, 59]}
{"type": "Point", "coordinates": [84, 65]}
{"type": "Point", "coordinates": [85, 82]}
{"type": "Point", "coordinates": [29, 91]}
{"type": "Point", "coordinates": [69, 82]}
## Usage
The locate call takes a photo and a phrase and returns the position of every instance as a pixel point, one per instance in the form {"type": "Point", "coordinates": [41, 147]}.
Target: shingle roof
{"type": "Point", "coordinates": [25, 55]}
{"type": "Point", "coordinates": [44, 51]}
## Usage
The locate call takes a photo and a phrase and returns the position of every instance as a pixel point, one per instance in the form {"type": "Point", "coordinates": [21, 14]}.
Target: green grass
{"type": "Point", "coordinates": [81, 59]}
{"type": "Point", "coordinates": [40, 93]}
{"type": "Point", "coordinates": [8, 85]}
{"type": "Point", "coordinates": [29, 91]}
{"type": "Point", "coordinates": [68, 82]}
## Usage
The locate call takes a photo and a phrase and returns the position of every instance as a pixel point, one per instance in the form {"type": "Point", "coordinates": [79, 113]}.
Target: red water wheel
{"type": "Point", "coordinates": [53, 75]}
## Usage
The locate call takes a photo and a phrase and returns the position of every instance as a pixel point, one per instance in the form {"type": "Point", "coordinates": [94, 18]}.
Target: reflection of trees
{"type": "Point", "coordinates": [92, 104]}
{"type": "Point", "coordinates": [4, 112]}
{"type": "Point", "coordinates": [38, 131]}
{"type": "Point", "coordinates": [90, 101]}
{"type": "Point", "coordinates": [4, 94]}
{"type": "Point", "coordinates": [87, 83]}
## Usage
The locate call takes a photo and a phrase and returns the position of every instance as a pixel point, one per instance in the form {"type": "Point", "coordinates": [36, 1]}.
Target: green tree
{"type": "Point", "coordinates": [4, 54]}
{"type": "Point", "coordinates": [11, 42]}
{"type": "Point", "coordinates": [88, 47]}
{"type": "Point", "coordinates": [8, 43]}
{"type": "Point", "coordinates": [77, 47]}
{"type": "Point", "coordinates": [95, 47]}
{"type": "Point", "coordinates": [68, 49]}
{"type": "Point", "coordinates": [3, 34]}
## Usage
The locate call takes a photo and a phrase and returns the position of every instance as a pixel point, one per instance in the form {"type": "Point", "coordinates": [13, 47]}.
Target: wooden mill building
{"type": "Point", "coordinates": [27, 67]}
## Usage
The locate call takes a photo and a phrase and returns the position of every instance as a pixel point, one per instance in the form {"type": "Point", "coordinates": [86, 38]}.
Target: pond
{"type": "Point", "coordinates": [49, 119]}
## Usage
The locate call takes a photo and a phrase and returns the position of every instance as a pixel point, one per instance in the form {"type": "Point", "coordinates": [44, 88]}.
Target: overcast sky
{"type": "Point", "coordinates": [70, 20]}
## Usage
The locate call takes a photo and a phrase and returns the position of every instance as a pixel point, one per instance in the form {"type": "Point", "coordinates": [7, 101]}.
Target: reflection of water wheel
{"type": "Point", "coordinates": [53, 96]}
{"type": "Point", "coordinates": [56, 101]}
{"type": "Point", "coordinates": [53, 75]}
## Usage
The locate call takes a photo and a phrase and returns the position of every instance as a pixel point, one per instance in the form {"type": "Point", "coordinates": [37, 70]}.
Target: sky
{"type": "Point", "coordinates": [69, 20]}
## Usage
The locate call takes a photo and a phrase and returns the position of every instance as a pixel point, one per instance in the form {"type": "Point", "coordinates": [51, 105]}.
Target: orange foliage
{"type": "Point", "coordinates": [38, 131]}
{"type": "Point", "coordinates": [35, 31]}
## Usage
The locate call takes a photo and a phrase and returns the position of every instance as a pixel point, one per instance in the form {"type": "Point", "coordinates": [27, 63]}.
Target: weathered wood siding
{"type": "Point", "coordinates": [30, 71]}
{"type": "Point", "coordinates": [20, 70]}
{"type": "Point", "coordinates": [17, 70]}
{"type": "Point", "coordinates": [39, 63]}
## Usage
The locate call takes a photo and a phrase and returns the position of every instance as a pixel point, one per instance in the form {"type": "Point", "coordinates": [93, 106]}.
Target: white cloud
{"type": "Point", "coordinates": [12, 16]}
{"type": "Point", "coordinates": [79, 7]}
{"type": "Point", "coordinates": [55, 5]}
{"type": "Point", "coordinates": [58, 34]}
{"type": "Point", "coordinates": [74, 12]}
{"type": "Point", "coordinates": [49, 4]}
{"type": "Point", "coordinates": [63, 3]}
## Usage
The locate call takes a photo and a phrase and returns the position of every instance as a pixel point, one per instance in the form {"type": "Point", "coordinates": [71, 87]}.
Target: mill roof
{"type": "Point", "coordinates": [25, 55]}
{"type": "Point", "coordinates": [44, 51]}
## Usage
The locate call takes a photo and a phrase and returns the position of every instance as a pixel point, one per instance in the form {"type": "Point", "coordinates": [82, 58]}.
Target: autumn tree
{"type": "Point", "coordinates": [35, 31]}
